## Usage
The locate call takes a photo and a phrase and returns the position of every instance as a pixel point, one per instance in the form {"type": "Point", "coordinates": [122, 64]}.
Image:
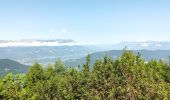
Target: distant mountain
{"type": "Point", "coordinates": [45, 54]}
{"type": "Point", "coordinates": [148, 45]}
{"type": "Point", "coordinates": [47, 51]}
{"type": "Point", "coordinates": [43, 51]}
{"type": "Point", "coordinates": [7, 65]}
{"type": "Point", "coordinates": [146, 55]}
{"type": "Point", "coordinates": [36, 42]}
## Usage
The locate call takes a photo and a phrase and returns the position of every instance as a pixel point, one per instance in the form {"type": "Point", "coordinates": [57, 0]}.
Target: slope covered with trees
{"type": "Point", "coordinates": [145, 54]}
{"type": "Point", "coordinates": [7, 65]}
{"type": "Point", "coordinates": [127, 77]}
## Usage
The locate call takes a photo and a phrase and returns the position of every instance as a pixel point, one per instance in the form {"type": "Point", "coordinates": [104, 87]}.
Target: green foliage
{"type": "Point", "coordinates": [86, 66]}
{"type": "Point", "coordinates": [128, 77]}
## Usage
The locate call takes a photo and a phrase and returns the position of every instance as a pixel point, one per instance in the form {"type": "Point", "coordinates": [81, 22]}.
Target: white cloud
{"type": "Point", "coordinates": [16, 43]}
{"type": "Point", "coordinates": [145, 44]}
{"type": "Point", "coordinates": [64, 31]}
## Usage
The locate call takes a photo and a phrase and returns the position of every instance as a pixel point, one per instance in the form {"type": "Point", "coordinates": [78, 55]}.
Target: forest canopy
{"type": "Point", "coordinates": [127, 77]}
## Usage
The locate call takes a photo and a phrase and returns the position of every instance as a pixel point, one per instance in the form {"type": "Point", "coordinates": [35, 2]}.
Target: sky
{"type": "Point", "coordinates": [97, 21]}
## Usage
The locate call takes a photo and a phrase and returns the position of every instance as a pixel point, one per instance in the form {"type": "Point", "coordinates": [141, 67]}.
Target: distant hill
{"type": "Point", "coordinates": [45, 54]}
{"type": "Point", "coordinates": [148, 45]}
{"type": "Point", "coordinates": [7, 65]}
{"type": "Point", "coordinates": [47, 51]}
{"type": "Point", "coordinates": [146, 55]}
{"type": "Point", "coordinates": [44, 51]}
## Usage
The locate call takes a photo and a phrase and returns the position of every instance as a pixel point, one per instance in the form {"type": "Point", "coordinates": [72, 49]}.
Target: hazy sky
{"type": "Point", "coordinates": [86, 20]}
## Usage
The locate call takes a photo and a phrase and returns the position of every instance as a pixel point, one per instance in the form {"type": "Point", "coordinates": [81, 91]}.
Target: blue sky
{"type": "Point", "coordinates": [86, 20]}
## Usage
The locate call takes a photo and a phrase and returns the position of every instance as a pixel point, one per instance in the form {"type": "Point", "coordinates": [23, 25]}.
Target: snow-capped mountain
{"type": "Point", "coordinates": [57, 42]}
{"type": "Point", "coordinates": [148, 45]}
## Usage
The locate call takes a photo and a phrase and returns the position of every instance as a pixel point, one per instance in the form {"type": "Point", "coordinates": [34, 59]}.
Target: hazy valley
{"type": "Point", "coordinates": [28, 52]}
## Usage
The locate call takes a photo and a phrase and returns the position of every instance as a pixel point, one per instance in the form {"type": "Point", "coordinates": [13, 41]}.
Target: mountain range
{"type": "Point", "coordinates": [37, 42]}
{"type": "Point", "coordinates": [7, 65]}
{"type": "Point", "coordinates": [145, 54]}
{"type": "Point", "coordinates": [148, 45]}
{"type": "Point", "coordinates": [47, 51]}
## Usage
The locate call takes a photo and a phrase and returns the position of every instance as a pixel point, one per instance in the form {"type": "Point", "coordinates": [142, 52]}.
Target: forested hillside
{"type": "Point", "coordinates": [128, 77]}
{"type": "Point", "coordinates": [145, 54]}
{"type": "Point", "coordinates": [7, 65]}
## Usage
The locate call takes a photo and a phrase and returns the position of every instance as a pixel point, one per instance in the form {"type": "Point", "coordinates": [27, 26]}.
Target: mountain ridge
{"type": "Point", "coordinates": [11, 66]}
{"type": "Point", "coordinates": [39, 42]}
{"type": "Point", "coordinates": [146, 55]}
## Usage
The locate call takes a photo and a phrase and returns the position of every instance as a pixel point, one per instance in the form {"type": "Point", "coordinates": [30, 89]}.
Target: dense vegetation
{"type": "Point", "coordinates": [127, 77]}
